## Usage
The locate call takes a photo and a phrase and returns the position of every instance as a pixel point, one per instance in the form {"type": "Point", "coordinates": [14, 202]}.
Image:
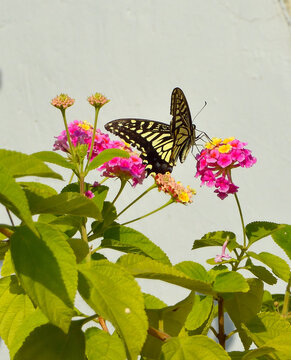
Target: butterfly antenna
{"type": "Point", "coordinates": [205, 103]}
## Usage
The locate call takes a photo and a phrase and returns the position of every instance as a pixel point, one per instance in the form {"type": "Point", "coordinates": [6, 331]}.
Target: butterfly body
{"type": "Point", "coordinates": [160, 144]}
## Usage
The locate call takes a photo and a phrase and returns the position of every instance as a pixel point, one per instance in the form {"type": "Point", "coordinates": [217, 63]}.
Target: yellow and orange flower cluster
{"type": "Point", "coordinates": [176, 190]}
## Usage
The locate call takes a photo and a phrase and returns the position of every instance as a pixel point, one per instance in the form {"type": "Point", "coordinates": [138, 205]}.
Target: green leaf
{"type": "Point", "coordinates": [53, 158]}
{"type": "Point", "coordinates": [217, 238]}
{"type": "Point", "coordinates": [258, 353]}
{"type": "Point", "coordinates": [259, 229]}
{"type": "Point", "coordinates": [80, 248]}
{"type": "Point", "coordinates": [73, 187]}
{"type": "Point", "coordinates": [216, 270]}
{"type": "Point", "coordinates": [184, 349]}
{"type": "Point", "coordinates": [128, 240]}
{"type": "Point", "coordinates": [4, 246]}
{"type": "Point", "coordinates": [109, 214]}
{"type": "Point", "coordinates": [7, 266]}
{"type": "Point", "coordinates": [13, 197]}
{"type": "Point", "coordinates": [100, 193]}
{"type": "Point", "coordinates": [152, 302]}
{"type": "Point", "coordinates": [68, 224]}
{"type": "Point", "coordinates": [67, 203]}
{"type": "Point", "coordinates": [143, 267]}
{"type": "Point", "coordinates": [18, 164]}
{"type": "Point", "coordinates": [266, 326]}
{"type": "Point", "coordinates": [193, 270]}
{"type": "Point", "coordinates": [271, 330]}
{"type": "Point", "coordinates": [15, 307]}
{"type": "Point", "coordinates": [228, 282]}
{"type": "Point", "coordinates": [36, 191]}
{"type": "Point", "coordinates": [35, 319]}
{"type": "Point", "coordinates": [239, 355]}
{"type": "Point", "coordinates": [105, 156]}
{"type": "Point", "coordinates": [103, 346]}
{"type": "Point", "coordinates": [114, 294]}
{"type": "Point", "coordinates": [282, 237]}
{"type": "Point", "coordinates": [200, 312]}
{"type": "Point", "coordinates": [242, 307]}
{"type": "Point", "coordinates": [170, 319]}
{"type": "Point", "coordinates": [48, 342]}
{"type": "Point", "coordinates": [279, 266]}
{"type": "Point", "coordinates": [46, 267]}
{"type": "Point", "coordinates": [260, 272]}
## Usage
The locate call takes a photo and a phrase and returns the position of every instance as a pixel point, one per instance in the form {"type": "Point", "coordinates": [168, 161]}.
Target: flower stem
{"type": "Point", "coordinates": [123, 183]}
{"type": "Point", "coordinates": [83, 225]}
{"type": "Point", "coordinates": [68, 134]}
{"type": "Point", "coordinates": [93, 135]}
{"type": "Point", "coordinates": [221, 334]}
{"type": "Point", "coordinates": [285, 309]}
{"type": "Point", "coordinates": [138, 198]}
{"type": "Point", "coordinates": [150, 213]}
{"type": "Point", "coordinates": [242, 219]}
{"type": "Point", "coordinates": [9, 215]}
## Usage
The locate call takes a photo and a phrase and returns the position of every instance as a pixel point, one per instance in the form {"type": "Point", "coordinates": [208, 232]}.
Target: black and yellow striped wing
{"type": "Point", "coordinates": [160, 144]}
{"type": "Point", "coordinates": [152, 138]}
{"type": "Point", "coordinates": [182, 129]}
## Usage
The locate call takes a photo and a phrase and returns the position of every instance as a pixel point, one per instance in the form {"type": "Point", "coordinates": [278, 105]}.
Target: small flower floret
{"type": "Point", "coordinates": [223, 255]}
{"type": "Point", "coordinates": [176, 190]}
{"type": "Point", "coordinates": [62, 101]}
{"type": "Point", "coordinates": [97, 100]}
{"type": "Point", "coordinates": [217, 159]}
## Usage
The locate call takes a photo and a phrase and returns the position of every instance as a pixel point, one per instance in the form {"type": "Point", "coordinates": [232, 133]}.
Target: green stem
{"type": "Point", "coordinates": [221, 334]}
{"type": "Point", "coordinates": [122, 185]}
{"type": "Point", "coordinates": [150, 213]}
{"type": "Point", "coordinates": [138, 198]}
{"type": "Point", "coordinates": [68, 134]}
{"type": "Point", "coordinates": [241, 219]}
{"type": "Point", "coordinates": [83, 225]}
{"type": "Point", "coordinates": [9, 215]}
{"type": "Point", "coordinates": [93, 135]}
{"type": "Point", "coordinates": [285, 309]}
{"type": "Point", "coordinates": [71, 178]}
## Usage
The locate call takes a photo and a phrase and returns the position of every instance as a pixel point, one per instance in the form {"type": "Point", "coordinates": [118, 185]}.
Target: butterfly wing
{"type": "Point", "coordinates": [152, 138]}
{"type": "Point", "coordinates": [182, 129]}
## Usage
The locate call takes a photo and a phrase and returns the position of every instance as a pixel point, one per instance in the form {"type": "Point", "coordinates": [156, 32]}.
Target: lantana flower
{"type": "Point", "coordinates": [62, 101]}
{"type": "Point", "coordinates": [217, 159]}
{"type": "Point", "coordinates": [176, 190]}
{"type": "Point", "coordinates": [81, 133]}
{"type": "Point", "coordinates": [97, 100]}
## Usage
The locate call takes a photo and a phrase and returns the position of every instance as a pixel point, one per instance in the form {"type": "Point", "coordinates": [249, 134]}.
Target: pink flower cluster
{"type": "Point", "coordinates": [176, 190]}
{"type": "Point", "coordinates": [81, 133]}
{"type": "Point", "coordinates": [217, 159]}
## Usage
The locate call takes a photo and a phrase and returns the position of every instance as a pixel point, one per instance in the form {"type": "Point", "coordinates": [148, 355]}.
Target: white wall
{"type": "Point", "coordinates": [234, 54]}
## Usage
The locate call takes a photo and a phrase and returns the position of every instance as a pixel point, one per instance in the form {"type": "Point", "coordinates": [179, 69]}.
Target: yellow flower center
{"type": "Point", "coordinates": [227, 140]}
{"type": "Point", "coordinates": [85, 125]}
{"type": "Point", "coordinates": [184, 197]}
{"type": "Point", "coordinates": [224, 148]}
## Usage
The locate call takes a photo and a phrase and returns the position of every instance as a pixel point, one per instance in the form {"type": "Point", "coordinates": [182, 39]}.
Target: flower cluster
{"type": "Point", "coordinates": [215, 161]}
{"type": "Point", "coordinates": [81, 133]}
{"type": "Point", "coordinates": [97, 100]}
{"type": "Point", "coordinates": [176, 190]}
{"type": "Point", "coordinates": [125, 168]}
{"type": "Point", "coordinates": [62, 101]}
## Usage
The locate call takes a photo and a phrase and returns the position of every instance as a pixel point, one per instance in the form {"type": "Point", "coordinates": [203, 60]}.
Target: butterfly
{"type": "Point", "coordinates": [160, 144]}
